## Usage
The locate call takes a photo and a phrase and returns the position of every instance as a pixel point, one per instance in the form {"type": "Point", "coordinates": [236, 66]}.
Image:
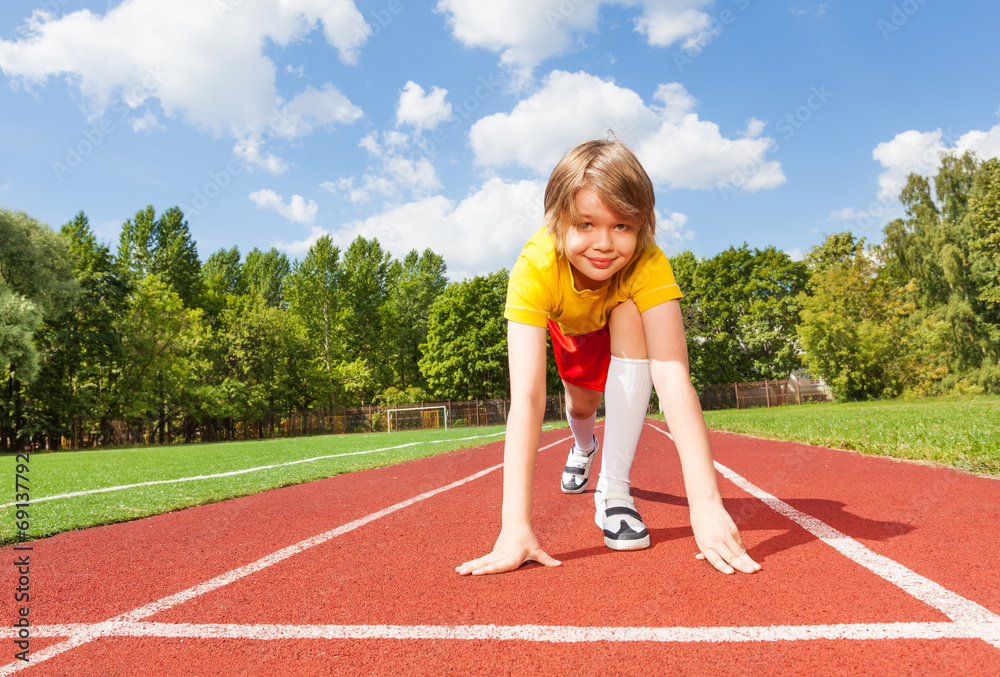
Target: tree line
{"type": "Point", "coordinates": [150, 335]}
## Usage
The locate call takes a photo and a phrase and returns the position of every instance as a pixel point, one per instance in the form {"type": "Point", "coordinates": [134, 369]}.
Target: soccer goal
{"type": "Point", "coordinates": [417, 418]}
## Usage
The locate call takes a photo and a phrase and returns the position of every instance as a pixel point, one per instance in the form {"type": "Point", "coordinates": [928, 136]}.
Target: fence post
{"type": "Point", "coordinates": [767, 394]}
{"type": "Point", "coordinates": [798, 397]}
{"type": "Point", "coordinates": [737, 387]}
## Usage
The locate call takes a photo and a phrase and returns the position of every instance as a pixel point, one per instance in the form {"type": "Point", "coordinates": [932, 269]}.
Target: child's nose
{"type": "Point", "coordinates": [602, 239]}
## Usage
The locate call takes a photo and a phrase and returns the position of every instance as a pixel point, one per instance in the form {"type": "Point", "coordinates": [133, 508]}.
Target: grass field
{"type": "Point", "coordinates": [964, 433]}
{"type": "Point", "coordinates": [295, 460]}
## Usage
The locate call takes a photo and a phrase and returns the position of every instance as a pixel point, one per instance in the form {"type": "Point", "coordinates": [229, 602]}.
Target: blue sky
{"type": "Point", "coordinates": [435, 124]}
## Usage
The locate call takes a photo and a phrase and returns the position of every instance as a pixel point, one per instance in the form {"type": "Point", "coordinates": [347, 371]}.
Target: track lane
{"type": "Point", "coordinates": [803, 582]}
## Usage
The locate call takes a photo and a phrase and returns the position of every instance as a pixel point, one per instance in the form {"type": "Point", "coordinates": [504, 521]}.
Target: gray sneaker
{"type": "Point", "coordinates": [577, 470]}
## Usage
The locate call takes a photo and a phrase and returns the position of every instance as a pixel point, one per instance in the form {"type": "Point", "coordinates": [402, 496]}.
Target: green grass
{"type": "Point", "coordinates": [51, 474]}
{"type": "Point", "coordinates": [960, 432]}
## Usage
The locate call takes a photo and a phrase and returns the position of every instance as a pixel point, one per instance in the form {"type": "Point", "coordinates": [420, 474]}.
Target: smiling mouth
{"type": "Point", "coordinates": [601, 263]}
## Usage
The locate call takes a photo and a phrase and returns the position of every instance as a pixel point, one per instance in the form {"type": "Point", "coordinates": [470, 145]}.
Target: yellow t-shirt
{"type": "Point", "coordinates": [541, 288]}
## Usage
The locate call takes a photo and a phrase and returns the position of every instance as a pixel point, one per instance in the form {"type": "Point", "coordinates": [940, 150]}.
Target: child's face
{"type": "Point", "coordinates": [599, 245]}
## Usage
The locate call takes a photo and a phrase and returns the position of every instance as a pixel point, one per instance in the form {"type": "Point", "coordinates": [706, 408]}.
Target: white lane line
{"type": "Point", "coordinates": [532, 633]}
{"type": "Point", "coordinates": [952, 605]}
{"type": "Point", "coordinates": [231, 473]}
{"type": "Point", "coordinates": [92, 632]}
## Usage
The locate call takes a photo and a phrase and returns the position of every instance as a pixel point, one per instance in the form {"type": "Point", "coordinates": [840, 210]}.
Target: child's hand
{"type": "Point", "coordinates": [719, 540]}
{"type": "Point", "coordinates": [513, 548]}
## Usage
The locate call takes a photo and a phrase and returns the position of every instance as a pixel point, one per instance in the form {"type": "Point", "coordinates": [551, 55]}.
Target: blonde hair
{"type": "Point", "coordinates": [612, 171]}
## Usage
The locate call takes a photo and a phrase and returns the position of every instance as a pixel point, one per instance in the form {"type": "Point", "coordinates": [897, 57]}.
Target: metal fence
{"type": "Point", "coordinates": [461, 413]}
{"type": "Point", "coordinates": [764, 394]}
{"type": "Point", "coordinates": [337, 421]}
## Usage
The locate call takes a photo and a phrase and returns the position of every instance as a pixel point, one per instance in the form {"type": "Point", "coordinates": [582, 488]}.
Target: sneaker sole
{"type": "Point", "coordinates": [621, 544]}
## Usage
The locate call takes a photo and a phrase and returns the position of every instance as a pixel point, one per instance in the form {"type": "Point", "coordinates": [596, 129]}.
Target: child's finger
{"type": "Point", "coordinates": [745, 563]}
{"type": "Point", "coordinates": [545, 559]}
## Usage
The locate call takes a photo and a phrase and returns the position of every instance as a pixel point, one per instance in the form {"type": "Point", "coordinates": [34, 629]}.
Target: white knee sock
{"type": "Point", "coordinates": [626, 399]}
{"type": "Point", "coordinates": [583, 431]}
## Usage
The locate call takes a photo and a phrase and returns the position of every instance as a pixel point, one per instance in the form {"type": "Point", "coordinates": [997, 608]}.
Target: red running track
{"type": "Point", "coordinates": [870, 566]}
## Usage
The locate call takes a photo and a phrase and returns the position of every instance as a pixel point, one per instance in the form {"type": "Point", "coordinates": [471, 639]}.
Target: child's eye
{"type": "Point", "coordinates": [622, 226]}
{"type": "Point", "coordinates": [584, 226]}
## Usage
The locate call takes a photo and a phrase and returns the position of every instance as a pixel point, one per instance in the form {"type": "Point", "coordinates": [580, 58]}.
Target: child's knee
{"type": "Point", "coordinates": [628, 339]}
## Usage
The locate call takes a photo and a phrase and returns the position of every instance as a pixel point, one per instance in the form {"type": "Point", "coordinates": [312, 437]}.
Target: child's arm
{"type": "Point", "coordinates": [715, 532]}
{"type": "Point", "coordinates": [517, 542]}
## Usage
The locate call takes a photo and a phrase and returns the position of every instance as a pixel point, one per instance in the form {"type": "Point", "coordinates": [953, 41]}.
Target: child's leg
{"type": "Point", "coordinates": [581, 412]}
{"type": "Point", "coordinates": [626, 400]}
{"type": "Point", "coordinates": [583, 366]}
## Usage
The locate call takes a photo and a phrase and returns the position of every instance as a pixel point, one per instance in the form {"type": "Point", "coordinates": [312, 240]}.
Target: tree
{"type": "Point", "coordinates": [163, 247]}
{"type": "Point", "coordinates": [365, 283]}
{"type": "Point", "coordinates": [316, 297]}
{"type": "Point", "coordinates": [941, 249]}
{"type": "Point", "coordinates": [466, 351]}
{"type": "Point", "coordinates": [740, 311]}
{"type": "Point", "coordinates": [856, 326]}
{"type": "Point", "coordinates": [414, 285]}
{"type": "Point", "coordinates": [264, 275]}
{"type": "Point", "coordinates": [984, 221]}
{"type": "Point", "coordinates": [37, 285]}
{"type": "Point", "coordinates": [223, 274]}
{"type": "Point", "coordinates": [80, 348]}
{"type": "Point", "coordinates": [161, 338]}
{"type": "Point", "coordinates": [264, 367]}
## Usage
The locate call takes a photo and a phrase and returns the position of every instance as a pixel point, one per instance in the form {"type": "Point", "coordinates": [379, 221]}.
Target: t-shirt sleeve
{"type": "Point", "coordinates": [527, 297]}
{"type": "Point", "coordinates": [652, 282]}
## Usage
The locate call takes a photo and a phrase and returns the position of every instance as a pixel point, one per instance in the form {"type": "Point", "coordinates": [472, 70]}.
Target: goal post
{"type": "Point", "coordinates": [416, 418]}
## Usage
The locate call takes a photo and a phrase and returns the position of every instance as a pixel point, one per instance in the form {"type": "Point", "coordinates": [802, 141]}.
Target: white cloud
{"type": "Point", "coordinates": [910, 152]}
{"type": "Point", "coordinates": [402, 168]}
{"type": "Point", "coordinates": [480, 234]}
{"type": "Point", "coordinates": [312, 107]}
{"type": "Point", "coordinates": [913, 152]}
{"type": "Point", "coordinates": [297, 210]}
{"type": "Point", "coordinates": [670, 232]}
{"type": "Point", "coordinates": [845, 214]}
{"type": "Point", "coordinates": [147, 123]}
{"type": "Point", "coordinates": [249, 151]}
{"type": "Point", "coordinates": [676, 147]}
{"type": "Point", "coordinates": [422, 110]}
{"type": "Point", "coordinates": [526, 32]}
{"type": "Point", "coordinates": [299, 248]}
{"type": "Point", "coordinates": [203, 61]}
{"type": "Point", "coordinates": [665, 22]}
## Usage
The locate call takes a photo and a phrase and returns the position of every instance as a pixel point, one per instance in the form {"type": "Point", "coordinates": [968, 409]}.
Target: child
{"type": "Point", "coordinates": [594, 277]}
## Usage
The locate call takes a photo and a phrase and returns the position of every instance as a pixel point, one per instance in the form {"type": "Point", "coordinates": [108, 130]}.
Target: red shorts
{"type": "Point", "coordinates": [582, 360]}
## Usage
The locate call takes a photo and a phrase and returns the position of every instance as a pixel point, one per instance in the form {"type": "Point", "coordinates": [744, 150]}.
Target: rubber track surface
{"type": "Point", "coordinates": [381, 597]}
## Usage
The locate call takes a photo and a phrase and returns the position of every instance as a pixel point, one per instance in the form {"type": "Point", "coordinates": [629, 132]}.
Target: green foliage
{"type": "Point", "coordinates": [740, 311]}
{"type": "Point", "coordinates": [264, 275]}
{"type": "Point", "coordinates": [264, 362]}
{"type": "Point", "coordinates": [946, 248]}
{"type": "Point", "coordinates": [36, 283]}
{"type": "Point", "coordinates": [849, 323]}
{"type": "Point", "coordinates": [161, 339]}
{"type": "Point", "coordinates": [163, 247]}
{"type": "Point", "coordinates": [415, 284]}
{"type": "Point", "coordinates": [410, 395]}
{"type": "Point", "coordinates": [465, 356]}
